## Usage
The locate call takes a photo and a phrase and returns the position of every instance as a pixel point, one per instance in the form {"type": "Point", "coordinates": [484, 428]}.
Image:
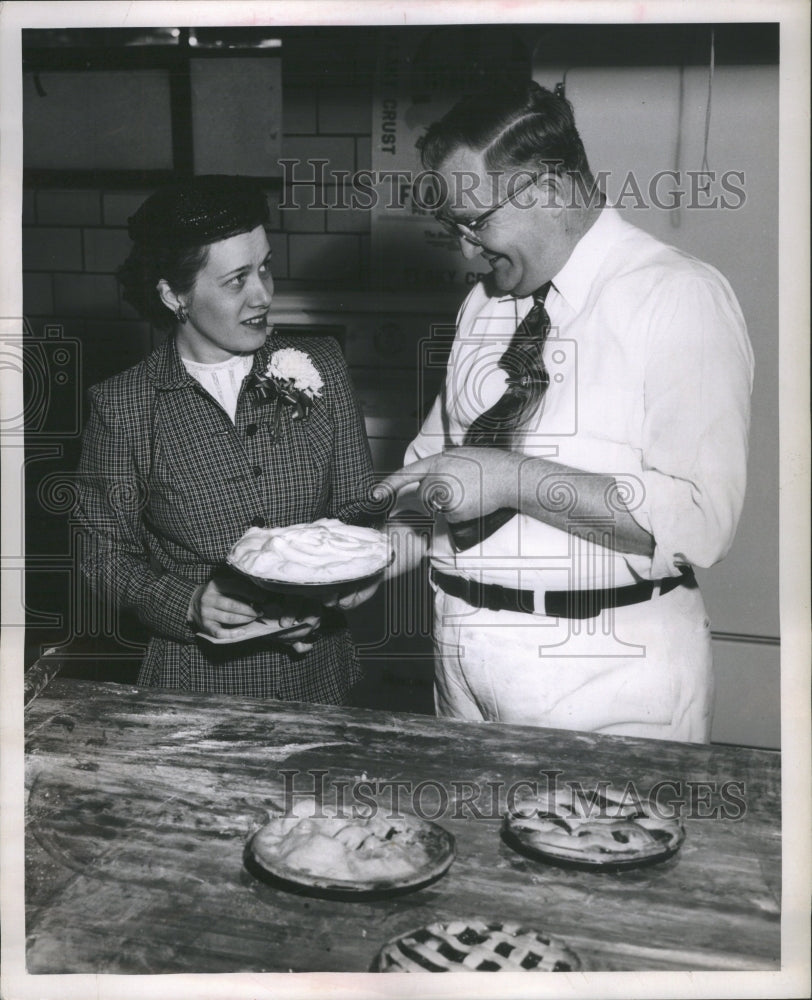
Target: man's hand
{"type": "Point", "coordinates": [346, 599]}
{"type": "Point", "coordinates": [463, 483]}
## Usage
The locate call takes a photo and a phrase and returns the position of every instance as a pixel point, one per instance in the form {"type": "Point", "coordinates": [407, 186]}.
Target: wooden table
{"type": "Point", "coordinates": [140, 801]}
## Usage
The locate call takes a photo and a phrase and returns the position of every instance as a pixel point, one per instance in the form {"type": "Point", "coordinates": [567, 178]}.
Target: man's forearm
{"type": "Point", "coordinates": [588, 504]}
{"type": "Point", "coordinates": [473, 482]}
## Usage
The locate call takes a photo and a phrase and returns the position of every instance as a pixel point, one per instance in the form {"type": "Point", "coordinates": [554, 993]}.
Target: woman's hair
{"type": "Point", "coordinates": [173, 230]}
{"type": "Point", "coordinates": [511, 128]}
{"type": "Point", "coordinates": [143, 269]}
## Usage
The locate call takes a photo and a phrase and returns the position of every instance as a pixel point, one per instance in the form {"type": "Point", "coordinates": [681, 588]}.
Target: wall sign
{"type": "Point", "coordinates": [416, 82]}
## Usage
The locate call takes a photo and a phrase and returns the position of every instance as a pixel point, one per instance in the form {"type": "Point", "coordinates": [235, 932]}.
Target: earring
{"type": "Point", "coordinates": [181, 315]}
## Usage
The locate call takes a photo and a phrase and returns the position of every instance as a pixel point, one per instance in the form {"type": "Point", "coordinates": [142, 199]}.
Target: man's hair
{"type": "Point", "coordinates": [512, 128]}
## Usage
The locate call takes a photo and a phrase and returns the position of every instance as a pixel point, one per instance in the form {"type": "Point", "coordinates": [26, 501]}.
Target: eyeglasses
{"type": "Point", "coordinates": [468, 230]}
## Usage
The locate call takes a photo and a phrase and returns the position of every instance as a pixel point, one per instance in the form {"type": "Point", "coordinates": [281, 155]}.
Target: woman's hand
{"type": "Point", "coordinates": [220, 606]}
{"type": "Point", "coordinates": [226, 605]}
{"type": "Point", "coordinates": [287, 612]}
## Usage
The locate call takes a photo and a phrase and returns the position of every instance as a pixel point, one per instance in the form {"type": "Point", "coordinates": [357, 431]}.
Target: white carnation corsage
{"type": "Point", "coordinates": [290, 377]}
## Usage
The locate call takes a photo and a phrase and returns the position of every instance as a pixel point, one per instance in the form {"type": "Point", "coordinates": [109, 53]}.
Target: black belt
{"type": "Point", "coordinates": [557, 603]}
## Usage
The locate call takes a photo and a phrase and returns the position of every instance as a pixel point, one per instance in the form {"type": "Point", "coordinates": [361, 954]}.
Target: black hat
{"type": "Point", "coordinates": [199, 211]}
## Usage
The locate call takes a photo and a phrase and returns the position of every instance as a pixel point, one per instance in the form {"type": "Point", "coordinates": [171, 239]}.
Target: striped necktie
{"type": "Point", "coordinates": [526, 384]}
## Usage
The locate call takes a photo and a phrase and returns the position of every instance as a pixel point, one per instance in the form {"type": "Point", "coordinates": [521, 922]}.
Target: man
{"type": "Point", "coordinates": [574, 492]}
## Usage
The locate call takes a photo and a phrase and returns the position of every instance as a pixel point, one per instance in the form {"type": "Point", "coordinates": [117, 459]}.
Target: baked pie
{"type": "Point", "coordinates": [322, 552]}
{"type": "Point", "coordinates": [593, 829]}
{"type": "Point", "coordinates": [311, 847]}
{"type": "Point", "coordinates": [476, 946]}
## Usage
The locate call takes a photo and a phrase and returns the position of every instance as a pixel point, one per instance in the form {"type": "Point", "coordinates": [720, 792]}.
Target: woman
{"type": "Point", "coordinates": [185, 451]}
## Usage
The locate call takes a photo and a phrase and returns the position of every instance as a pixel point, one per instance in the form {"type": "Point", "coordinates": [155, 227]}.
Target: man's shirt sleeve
{"type": "Point", "coordinates": [697, 382]}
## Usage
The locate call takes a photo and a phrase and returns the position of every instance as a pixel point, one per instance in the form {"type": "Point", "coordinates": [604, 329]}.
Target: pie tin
{"type": "Point", "coordinates": [523, 957]}
{"type": "Point", "coordinates": [666, 836]}
{"type": "Point", "coordinates": [438, 844]}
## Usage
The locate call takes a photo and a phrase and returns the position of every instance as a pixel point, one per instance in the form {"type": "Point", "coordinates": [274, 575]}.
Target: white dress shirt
{"type": "Point", "coordinates": [650, 378]}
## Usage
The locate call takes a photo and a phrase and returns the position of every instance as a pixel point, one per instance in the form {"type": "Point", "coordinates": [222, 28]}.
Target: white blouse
{"type": "Point", "coordinates": [223, 379]}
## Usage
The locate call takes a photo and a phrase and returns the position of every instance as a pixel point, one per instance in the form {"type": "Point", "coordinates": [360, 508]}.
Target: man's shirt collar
{"type": "Point", "coordinates": [575, 279]}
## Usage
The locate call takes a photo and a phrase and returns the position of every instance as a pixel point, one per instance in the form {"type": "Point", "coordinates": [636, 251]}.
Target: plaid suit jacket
{"type": "Point", "coordinates": [166, 485]}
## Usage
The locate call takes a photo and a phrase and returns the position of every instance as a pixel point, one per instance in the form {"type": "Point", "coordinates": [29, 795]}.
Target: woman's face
{"type": "Point", "coordinates": [228, 305]}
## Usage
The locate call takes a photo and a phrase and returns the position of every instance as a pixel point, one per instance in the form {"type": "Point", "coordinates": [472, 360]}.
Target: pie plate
{"type": "Point", "coordinates": [592, 830]}
{"type": "Point", "coordinates": [312, 589]}
{"type": "Point", "coordinates": [475, 945]}
{"type": "Point", "coordinates": [432, 846]}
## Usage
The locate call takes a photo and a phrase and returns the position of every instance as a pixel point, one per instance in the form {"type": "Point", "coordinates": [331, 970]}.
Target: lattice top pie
{"type": "Point", "coordinates": [476, 945]}
{"type": "Point", "coordinates": [603, 827]}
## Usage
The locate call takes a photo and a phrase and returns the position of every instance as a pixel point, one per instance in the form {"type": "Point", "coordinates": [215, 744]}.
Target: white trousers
{"type": "Point", "coordinates": [643, 670]}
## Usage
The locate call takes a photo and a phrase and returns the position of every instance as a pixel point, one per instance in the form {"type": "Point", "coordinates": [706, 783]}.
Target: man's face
{"type": "Point", "coordinates": [524, 240]}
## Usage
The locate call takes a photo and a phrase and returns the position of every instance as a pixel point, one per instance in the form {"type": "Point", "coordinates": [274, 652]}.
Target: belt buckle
{"type": "Point", "coordinates": [539, 603]}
